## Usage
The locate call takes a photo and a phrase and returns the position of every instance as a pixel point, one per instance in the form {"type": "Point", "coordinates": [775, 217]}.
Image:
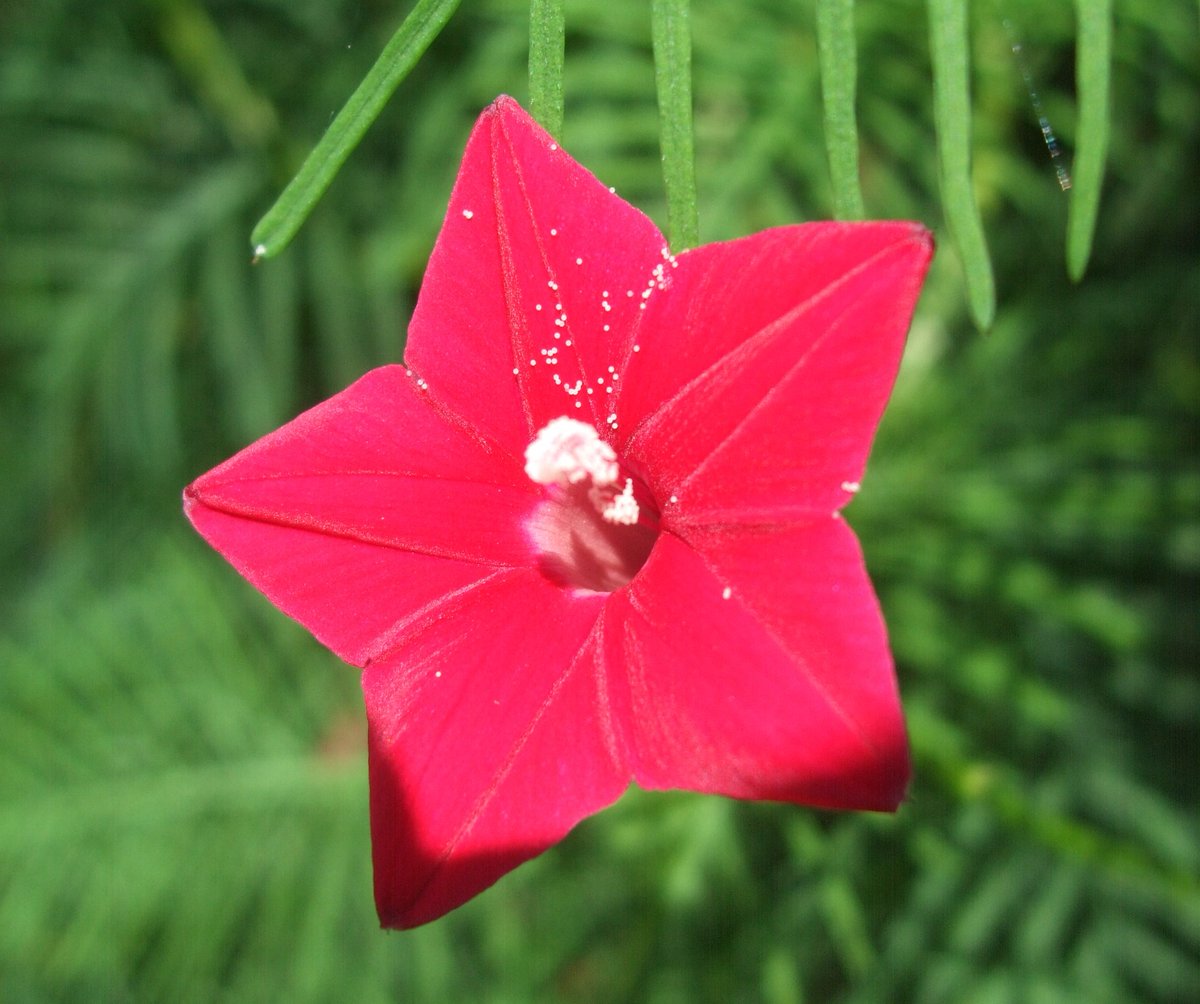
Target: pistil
{"type": "Point", "coordinates": [591, 531]}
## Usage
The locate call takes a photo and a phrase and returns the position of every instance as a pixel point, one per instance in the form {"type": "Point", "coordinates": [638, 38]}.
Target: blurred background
{"type": "Point", "coordinates": [182, 771]}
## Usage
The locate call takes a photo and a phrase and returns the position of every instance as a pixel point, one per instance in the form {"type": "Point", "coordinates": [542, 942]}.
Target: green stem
{"type": "Point", "coordinates": [547, 52]}
{"type": "Point", "coordinates": [671, 32]}
{"type": "Point", "coordinates": [399, 56]}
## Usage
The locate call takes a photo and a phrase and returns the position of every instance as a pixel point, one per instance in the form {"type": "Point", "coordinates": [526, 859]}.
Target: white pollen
{"type": "Point", "coordinates": [612, 189]}
{"type": "Point", "coordinates": [578, 261]}
{"type": "Point", "coordinates": [516, 372]}
{"type": "Point", "coordinates": [532, 362]}
{"type": "Point", "coordinates": [578, 404]}
{"type": "Point", "coordinates": [629, 292]}
{"type": "Point", "coordinates": [467, 214]}
{"type": "Point", "coordinates": [726, 593]}
{"type": "Point", "coordinates": [604, 293]}
{"type": "Point", "coordinates": [850, 486]}
{"type": "Point", "coordinates": [600, 380]}
{"type": "Point", "coordinates": [553, 232]}
{"type": "Point", "coordinates": [623, 508]}
{"type": "Point", "coordinates": [438, 674]}
{"type": "Point", "coordinates": [637, 348]}
{"type": "Point", "coordinates": [537, 306]}
{"type": "Point", "coordinates": [606, 328]}
{"type": "Point", "coordinates": [553, 146]}
{"type": "Point", "coordinates": [553, 285]}
{"type": "Point", "coordinates": [567, 343]}
{"type": "Point", "coordinates": [674, 498]}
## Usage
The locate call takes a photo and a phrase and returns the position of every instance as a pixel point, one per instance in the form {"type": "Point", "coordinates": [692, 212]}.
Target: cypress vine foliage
{"type": "Point", "coordinates": [182, 788]}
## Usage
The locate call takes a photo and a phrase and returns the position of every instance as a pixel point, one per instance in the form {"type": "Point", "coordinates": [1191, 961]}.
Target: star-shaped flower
{"type": "Point", "coordinates": [589, 534]}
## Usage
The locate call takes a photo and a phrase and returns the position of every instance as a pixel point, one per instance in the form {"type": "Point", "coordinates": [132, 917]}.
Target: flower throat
{"type": "Point", "coordinates": [594, 529]}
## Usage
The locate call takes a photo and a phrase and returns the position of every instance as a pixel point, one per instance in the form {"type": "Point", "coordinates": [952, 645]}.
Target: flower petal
{"type": "Point", "coordinates": [365, 509]}
{"type": "Point", "coordinates": [532, 249]}
{"type": "Point", "coordinates": [489, 740]}
{"type": "Point", "coordinates": [782, 350]}
{"type": "Point", "coordinates": [758, 667]}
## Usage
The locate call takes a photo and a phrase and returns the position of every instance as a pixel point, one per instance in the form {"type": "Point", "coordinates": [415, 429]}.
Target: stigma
{"type": "Point", "coordinates": [568, 452]}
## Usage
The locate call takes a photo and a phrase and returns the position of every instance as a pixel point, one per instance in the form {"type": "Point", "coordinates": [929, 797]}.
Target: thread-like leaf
{"type": "Point", "coordinates": [399, 56]}
{"type": "Point", "coordinates": [1093, 63]}
{"type": "Point", "coordinates": [547, 51]}
{"type": "Point", "coordinates": [836, 51]}
{"type": "Point", "coordinates": [671, 31]}
{"type": "Point", "coordinates": [952, 117]}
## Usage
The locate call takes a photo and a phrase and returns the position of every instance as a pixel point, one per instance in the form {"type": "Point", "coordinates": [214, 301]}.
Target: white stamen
{"type": "Point", "coordinates": [467, 214]}
{"type": "Point", "coordinates": [623, 508]}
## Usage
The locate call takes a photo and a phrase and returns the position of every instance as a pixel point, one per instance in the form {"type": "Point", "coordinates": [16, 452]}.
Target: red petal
{"type": "Point", "coordinates": [784, 690]}
{"type": "Point", "coordinates": [783, 348]}
{"type": "Point", "coordinates": [489, 740]}
{"type": "Point", "coordinates": [524, 215]}
{"type": "Point", "coordinates": [363, 510]}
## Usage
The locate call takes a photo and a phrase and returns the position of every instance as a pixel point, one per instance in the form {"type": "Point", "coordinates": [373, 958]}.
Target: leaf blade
{"type": "Point", "coordinates": [672, 38]}
{"type": "Point", "coordinates": [837, 54]}
{"type": "Point", "coordinates": [399, 56]}
{"type": "Point", "coordinates": [1093, 66]}
{"type": "Point", "coordinates": [952, 116]}
{"type": "Point", "coordinates": [547, 53]}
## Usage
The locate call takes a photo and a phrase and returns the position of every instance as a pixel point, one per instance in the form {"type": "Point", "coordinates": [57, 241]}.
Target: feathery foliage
{"type": "Point", "coordinates": [182, 781]}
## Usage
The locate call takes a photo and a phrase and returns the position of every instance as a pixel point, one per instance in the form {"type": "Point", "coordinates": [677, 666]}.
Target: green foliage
{"type": "Point", "coordinates": [396, 61]}
{"type": "Point", "coordinates": [547, 53]}
{"type": "Point", "coordinates": [671, 32]}
{"type": "Point", "coordinates": [838, 53]}
{"type": "Point", "coordinates": [182, 782]}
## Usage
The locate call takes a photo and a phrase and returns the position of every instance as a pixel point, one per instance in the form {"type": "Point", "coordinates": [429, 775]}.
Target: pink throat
{"type": "Point", "coordinates": [597, 524]}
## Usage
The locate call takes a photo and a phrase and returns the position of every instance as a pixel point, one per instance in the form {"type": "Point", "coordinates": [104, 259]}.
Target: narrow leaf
{"type": "Point", "coordinates": [952, 118]}
{"type": "Point", "coordinates": [547, 50]}
{"type": "Point", "coordinates": [399, 56]}
{"type": "Point", "coordinates": [671, 32]}
{"type": "Point", "coordinates": [836, 51]}
{"type": "Point", "coordinates": [1093, 64]}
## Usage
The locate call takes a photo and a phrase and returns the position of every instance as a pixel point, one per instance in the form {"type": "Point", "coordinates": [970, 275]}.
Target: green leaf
{"type": "Point", "coordinates": [952, 117]}
{"type": "Point", "coordinates": [547, 50]}
{"type": "Point", "coordinates": [399, 56]}
{"type": "Point", "coordinates": [836, 51]}
{"type": "Point", "coordinates": [671, 30]}
{"type": "Point", "coordinates": [1093, 65]}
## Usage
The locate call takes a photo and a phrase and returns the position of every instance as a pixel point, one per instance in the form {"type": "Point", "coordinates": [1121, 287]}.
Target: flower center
{"type": "Point", "coordinates": [595, 527]}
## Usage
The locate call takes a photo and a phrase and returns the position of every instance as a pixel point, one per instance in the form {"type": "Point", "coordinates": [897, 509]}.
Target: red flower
{"type": "Point", "coordinates": [590, 534]}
